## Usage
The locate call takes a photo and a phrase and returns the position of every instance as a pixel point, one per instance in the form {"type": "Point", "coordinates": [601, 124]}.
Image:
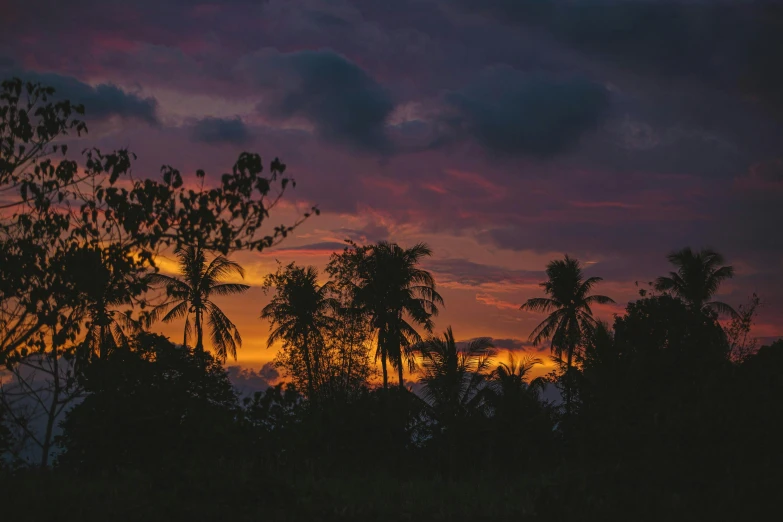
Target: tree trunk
{"type": "Point", "coordinates": [568, 380]}
{"type": "Point", "coordinates": [383, 365]}
{"type": "Point", "coordinates": [199, 331]}
{"type": "Point", "coordinates": [399, 371]}
{"type": "Point", "coordinates": [308, 367]}
{"type": "Point", "coordinates": [102, 340]}
{"type": "Point", "coordinates": [52, 413]}
{"type": "Point", "coordinates": [347, 379]}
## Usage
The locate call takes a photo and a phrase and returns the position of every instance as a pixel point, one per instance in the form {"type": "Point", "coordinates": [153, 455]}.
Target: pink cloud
{"type": "Point", "coordinates": [500, 304]}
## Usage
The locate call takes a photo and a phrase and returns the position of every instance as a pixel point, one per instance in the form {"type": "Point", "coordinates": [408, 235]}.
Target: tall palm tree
{"type": "Point", "coordinates": [300, 312]}
{"type": "Point", "coordinates": [193, 295]}
{"type": "Point", "coordinates": [453, 378]}
{"type": "Point", "coordinates": [698, 276]}
{"type": "Point", "coordinates": [398, 295]}
{"type": "Point", "coordinates": [568, 305]}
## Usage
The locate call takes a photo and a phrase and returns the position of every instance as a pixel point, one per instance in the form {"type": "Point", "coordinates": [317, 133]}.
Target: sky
{"type": "Point", "coordinates": [502, 133]}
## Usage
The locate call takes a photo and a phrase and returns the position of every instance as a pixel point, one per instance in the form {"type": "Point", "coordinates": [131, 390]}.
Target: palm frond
{"type": "Point", "coordinates": [722, 308]}
{"type": "Point", "coordinates": [229, 289]}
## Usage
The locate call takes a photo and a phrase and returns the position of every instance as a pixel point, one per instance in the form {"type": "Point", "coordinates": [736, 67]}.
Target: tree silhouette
{"type": "Point", "coordinates": [398, 295]}
{"type": "Point", "coordinates": [568, 305]}
{"type": "Point", "coordinates": [511, 380]}
{"type": "Point", "coordinates": [453, 378]}
{"type": "Point", "coordinates": [103, 290]}
{"type": "Point", "coordinates": [698, 276]}
{"type": "Point", "coordinates": [151, 406]}
{"type": "Point", "coordinates": [193, 294]}
{"type": "Point", "coordinates": [300, 312]}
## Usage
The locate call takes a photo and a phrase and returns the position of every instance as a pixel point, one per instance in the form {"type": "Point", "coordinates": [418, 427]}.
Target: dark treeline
{"type": "Point", "coordinates": [666, 413]}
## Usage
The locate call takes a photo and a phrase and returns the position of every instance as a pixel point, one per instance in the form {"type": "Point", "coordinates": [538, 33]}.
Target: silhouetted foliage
{"type": "Point", "coordinates": [301, 313]}
{"type": "Point", "coordinates": [521, 432]}
{"type": "Point", "coordinates": [570, 317]}
{"type": "Point", "coordinates": [194, 294]}
{"type": "Point", "coordinates": [57, 214]}
{"type": "Point", "coordinates": [78, 241]}
{"type": "Point", "coordinates": [5, 434]}
{"type": "Point", "coordinates": [153, 407]}
{"type": "Point", "coordinates": [454, 378]}
{"type": "Point", "coordinates": [669, 414]}
{"type": "Point", "coordinates": [397, 295]}
{"type": "Point", "coordinates": [697, 278]}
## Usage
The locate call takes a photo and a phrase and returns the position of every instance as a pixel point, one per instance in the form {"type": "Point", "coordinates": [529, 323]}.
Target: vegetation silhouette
{"type": "Point", "coordinates": [201, 280]}
{"type": "Point", "coordinates": [454, 378]}
{"type": "Point", "coordinates": [300, 313]}
{"type": "Point", "coordinates": [398, 295]}
{"type": "Point", "coordinates": [570, 317]}
{"type": "Point", "coordinates": [697, 278]}
{"type": "Point", "coordinates": [667, 412]}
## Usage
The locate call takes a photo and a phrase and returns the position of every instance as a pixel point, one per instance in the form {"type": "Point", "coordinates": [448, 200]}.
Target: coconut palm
{"type": "Point", "coordinates": [398, 295]}
{"type": "Point", "coordinates": [512, 380]}
{"type": "Point", "coordinates": [453, 378]}
{"type": "Point", "coordinates": [101, 290]}
{"type": "Point", "coordinates": [569, 307]}
{"type": "Point", "coordinates": [193, 295]}
{"type": "Point", "coordinates": [698, 276]}
{"type": "Point", "coordinates": [107, 328]}
{"type": "Point", "coordinates": [301, 312]}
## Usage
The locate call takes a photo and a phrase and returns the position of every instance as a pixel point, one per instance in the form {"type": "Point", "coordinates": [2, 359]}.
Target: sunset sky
{"type": "Point", "coordinates": [503, 135]}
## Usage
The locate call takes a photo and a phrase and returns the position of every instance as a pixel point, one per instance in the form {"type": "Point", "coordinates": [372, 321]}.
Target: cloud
{"type": "Point", "coordinates": [220, 130]}
{"type": "Point", "coordinates": [248, 381]}
{"type": "Point", "coordinates": [470, 274]}
{"type": "Point", "coordinates": [344, 103]}
{"type": "Point", "coordinates": [509, 344]}
{"type": "Point", "coordinates": [768, 171]}
{"type": "Point", "coordinates": [716, 41]}
{"type": "Point", "coordinates": [322, 248]}
{"type": "Point", "coordinates": [500, 304]}
{"type": "Point", "coordinates": [100, 101]}
{"type": "Point", "coordinates": [514, 113]}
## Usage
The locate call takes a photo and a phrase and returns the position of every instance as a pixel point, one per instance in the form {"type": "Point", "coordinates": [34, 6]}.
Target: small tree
{"type": "Point", "coordinates": [741, 343]}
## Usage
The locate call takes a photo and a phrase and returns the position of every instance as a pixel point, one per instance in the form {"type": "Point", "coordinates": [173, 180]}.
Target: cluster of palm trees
{"type": "Point", "coordinates": [380, 291]}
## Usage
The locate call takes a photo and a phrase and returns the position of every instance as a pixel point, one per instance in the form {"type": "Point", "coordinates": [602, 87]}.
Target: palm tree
{"type": "Point", "coordinates": [192, 295]}
{"type": "Point", "coordinates": [397, 295]}
{"type": "Point", "coordinates": [568, 305]}
{"type": "Point", "coordinates": [511, 380]}
{"type": "Point", "coordinates": [300, 312]}
{"type": "Point", "coordinates": [698, 276]}
{"type": "Point", "coordinates": [101, 290]}
{"type": "Point", "coordinates": [106, 327]}
{"type": "Point", "coordinates": [453, 378]}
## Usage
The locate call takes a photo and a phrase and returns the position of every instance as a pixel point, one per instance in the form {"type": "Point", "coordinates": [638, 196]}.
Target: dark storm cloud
{"type": "Point", "coordinates": [220, 130]}
{"type": "Point", "coordinates": [100, 101]}
{"type": "Point", "coordinates": [735, 43]}
{"type": "Point", "coordinates": [342, 101]}
{"type": "Point", "coordinates": [514, 113]}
